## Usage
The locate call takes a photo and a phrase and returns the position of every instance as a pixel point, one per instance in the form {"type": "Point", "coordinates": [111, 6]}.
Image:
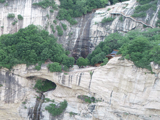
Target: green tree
{"type": "Point", "coordinates": [54, 67]}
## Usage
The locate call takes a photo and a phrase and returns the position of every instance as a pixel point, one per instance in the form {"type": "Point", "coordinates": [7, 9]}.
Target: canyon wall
{"type": "Point", "coordinates": [122, 91]}
{"type": "Point", "coordinates": [79, 39]}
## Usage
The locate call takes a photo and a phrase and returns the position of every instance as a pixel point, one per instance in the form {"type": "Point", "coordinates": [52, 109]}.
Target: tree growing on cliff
{"type": "Point", "coordinates": [54, 67]}
{"type": "Point", "coordinates": [82, 62]}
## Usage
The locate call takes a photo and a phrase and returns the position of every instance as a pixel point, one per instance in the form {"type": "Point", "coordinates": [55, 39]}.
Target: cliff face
{"type": "Point", "coordinates": [121, 90]}
{"type": "Point", "coordinates": [82, 38]}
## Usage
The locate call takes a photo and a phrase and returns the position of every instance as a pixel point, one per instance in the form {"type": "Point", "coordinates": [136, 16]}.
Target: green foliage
{"type": "Point", "coordinates": [38, 67]}
{"type": "Point", "coordinates": [64, 26]}
{"type": "Point", "coordinates": [55, 21]}
{"type": "Point", "coordinates": [82, 62]}
{"type": "Point", "coordinates": [56, 110]}
{"type": "Point", "coordinates": [142, 14]}
{"type": "Point", "coordinates": [108, 9]}
{"type": "Point", "coordinates": [139, 47]}
{"type": "Point", "coordinates": [13, 23]}
{"type": "Point", "coordinates": [29, 46]}
{"type": "Point", "coordinates": [24, 102]}
{"type": "Point", "coordinates": [52, 27]}
{"type": "Point", "coordinates": [104, 20]}
{"type": "Point", "coordinates": [20, 17]}
{"type": "Point", "coordinates": [105, 61]}
{"type": "Point", "coordinates": [51, 10]}
{"type": "Point", "coordinates": [2, 26]}
{"type": "Point", "coordinates": [73, 8]}
{"type": "Point", "coordinates": [140, 11]}
{"type": "Point", "coordinates": [54, 67]}
{"type": "Point", "coordinates": [116, 1]}
{"type": "Point", "coordinates": [44, 4]}
{"type": "Point", "coordinates": [121, 18]}
{"type": "Point", "coordinates": [11, 15]}
{"type": "Point", "coordinates": [44, 86]}
{"type": "Point", "coordinates": [67, 61]}
{"type": "Point", "coordinates": [158, 23]}
{"type": "Point", "coordinates": [6, 4]}
{"type": "Point", "coordinates": [2, 1]}
{"type": "Point", "coordinates": [86, 98]}
{"type": "Point", "coordinates": [66, 68]}
{"type": "Point", "coordinates": [60, 31]}
{"type": "Point", "coordinates": [72, 114]}
{"type": "Point", "coordinates": [1, 85]}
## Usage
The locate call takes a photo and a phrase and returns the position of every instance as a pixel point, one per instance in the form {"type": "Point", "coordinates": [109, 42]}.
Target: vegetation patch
{"type": "Point", "coordinates": [44, 85]}
{"type": "Point", "coordinates": [54, 67]}
{"type": "Point", "coordinates": [140, 11]}
{"type": "Point", "coordinates": [59, 29]}
{"type": "Point", "coordinates": [72, 114]}
{"type": "Point", "coordinates": [13, 23]}
{"type": "Point", "coordinates": [1, 85]}
{"type": "Point", "coordinates": [56, 110]}
{"type": "Point", "coordinates": [44, 4]}
{"type": "Point", "coordinates": [55, 21]}
{"type": "Point", "coordinates": [86, 98]}
{"type": "Point", "coordinates": [52, 27]}
{"type": "Point", "coordinates": [72, 8]}
{"type": "Point", "coordinates": [11, 15]}
{"type": "Point", "coordinates": [2, 1]}
{"type": "Point", "coordinates": [121, 18]}
{"type": "Point", "coordinates": [29, 46]}
{"type": "Point", "coordinates": [104, 20]}
{"type": "Point", "coordinates": [64, 26]}
{"type": "Point", "coordinates": [51, 10]}
{"type": "Point", "coordinates": [20, 17]}
{"type": "Point", "coordinates": [82, 62]}
{"type": "Point", "coordinates": [139, 47]}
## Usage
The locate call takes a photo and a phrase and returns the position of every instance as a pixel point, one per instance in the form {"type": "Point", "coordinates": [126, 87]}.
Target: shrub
{"type": "Point", "coordinates": [44, 4]}
{"type": "Point", "coordinates": [52, 27]}
{"type": "Point", "coordinates": [64, 26]}
{"type": "Point", "coordinates": [38, 67]}
{"type": "Point", "coordinates": [121, 19]}
{"type": "Point", "coordinates": [60, 32]}
{"type": "Point", "coordinates": [143, 14]}
{"type": "Point", "coordinates": [72, 114]}
{"type": "Point", "coordinates": [20, 17]}
{"type": "Point", "coordinates": [105, 61]}
{"type": "Point", "coordinates": [2, 1]}
{"type": "Point", "coordinates": [54, 67]}
{"type": "Point", "coordinates": [104, 20]}
{"type": "Point", "coordinates": [11, 15]}
{"type": "Point", "coordinates": [1, 85]}
{"type": "Point", "coordinates": [51, 11]}
{"type": "Point", "coordinates": [13, 23]}
{"type": "Point", "coordinates": [86, 98]}
{"type": "Point", "coordinates": [108, 9]}
{"type": "Point", "coordinates": [44, 85]}
{"type": "Point", "coordinates": [55, 21]}
{"type": "Point", "coordinates": [56, 110]}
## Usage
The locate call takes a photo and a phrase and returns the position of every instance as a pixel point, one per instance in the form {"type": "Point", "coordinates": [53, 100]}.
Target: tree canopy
{"type": "Point", "coordinates": [140, 47]}
{"type": "Point", "coordinates": [31, 45]}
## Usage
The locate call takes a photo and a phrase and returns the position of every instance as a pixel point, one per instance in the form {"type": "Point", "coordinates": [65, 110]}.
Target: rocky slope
{"type": "Point", "coordinates": [122, 92]}
{"type": "Point", "coordinates": [82, 38]}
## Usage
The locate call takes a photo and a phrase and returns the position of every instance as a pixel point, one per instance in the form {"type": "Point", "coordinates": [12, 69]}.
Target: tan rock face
{"type": "Point", "coordinates": [122, 91]}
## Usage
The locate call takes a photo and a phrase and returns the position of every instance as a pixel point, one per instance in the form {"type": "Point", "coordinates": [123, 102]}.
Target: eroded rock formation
{"type": "Point", "coordinates": [122, 91]}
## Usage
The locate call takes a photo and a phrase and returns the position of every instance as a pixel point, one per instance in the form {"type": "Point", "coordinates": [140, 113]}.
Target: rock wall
{"type": "Point", "coordinates": [82, 38]}
{"type": "Point", "coordinates": [122, 92]}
